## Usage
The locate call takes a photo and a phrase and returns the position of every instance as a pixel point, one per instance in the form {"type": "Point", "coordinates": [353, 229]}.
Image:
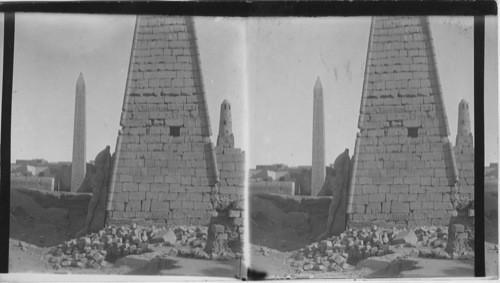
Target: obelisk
{"type": "Point", "coordinates": [225, 137]}
{"type": "Point", "coordinates": [78, 161]}
{"type": "Point", "coordinates": [318, 147]}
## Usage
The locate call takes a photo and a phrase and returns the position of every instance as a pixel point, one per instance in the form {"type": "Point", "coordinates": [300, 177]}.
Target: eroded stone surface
{"type": "Point", "coordinates": [404, 169]}
{"type": "Point", "coordinates": [99, 182]}
{"type": "Point", "coordinates": [337, 185]}
{"type": "Point", "coordinates": [168, 172]}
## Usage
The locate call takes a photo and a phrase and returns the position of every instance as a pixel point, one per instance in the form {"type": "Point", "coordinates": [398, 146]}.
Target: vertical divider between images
{"type": "Point", "coordinates": [246, 146]}
{"type": "Point", "coordinates": [479, 259]}
{"type": "Point", "coordinates": [8, 70]}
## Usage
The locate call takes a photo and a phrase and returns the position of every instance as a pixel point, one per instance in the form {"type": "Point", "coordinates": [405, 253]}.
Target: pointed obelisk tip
{"type": "Point", "coordinates": [317, 85]}
{"type": "Point", "coordinates": [80, 80]}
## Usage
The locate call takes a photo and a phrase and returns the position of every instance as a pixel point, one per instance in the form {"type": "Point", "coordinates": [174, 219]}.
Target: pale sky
{"type": "Point", "coordinates": [50, 52]}
{"type": "Point", "coordinates": [283, 57]}
{"type": "Point", "coordinates": [291, 53]}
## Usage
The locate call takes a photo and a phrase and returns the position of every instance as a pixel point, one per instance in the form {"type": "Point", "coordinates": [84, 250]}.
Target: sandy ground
{"type": "Point", "coordinates": [270, 256]}
{"type": "Point", "coordinates": [276, 265]}
{"type": "Point", "coordinates": [37, 239]}
{"type": "Point", "coordinates": [32, 259]}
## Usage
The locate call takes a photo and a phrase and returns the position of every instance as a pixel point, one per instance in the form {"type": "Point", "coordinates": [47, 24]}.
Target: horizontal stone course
{"type": "Point", "coordinates": [402, 160]}
{"type": "Point", "coordinates": [164, 172]}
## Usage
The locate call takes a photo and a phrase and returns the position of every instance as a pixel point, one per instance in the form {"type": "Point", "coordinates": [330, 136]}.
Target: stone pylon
{"type": "Point", "coordinates": [464, 152]}
{"type": "Point", "coordinates": [225, 137]}
{"type": "Point", "coordinates": [79, 134]}
{"type": "Point", "coordinates": [318, 140]}
{"type": "Point", "coordinates": [166, 168]}
{"type": "Point", "coordinates": [404, 169]}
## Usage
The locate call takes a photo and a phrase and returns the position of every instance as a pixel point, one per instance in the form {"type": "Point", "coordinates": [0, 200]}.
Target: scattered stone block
{"type": "Point", "coordinates": [405, 237]}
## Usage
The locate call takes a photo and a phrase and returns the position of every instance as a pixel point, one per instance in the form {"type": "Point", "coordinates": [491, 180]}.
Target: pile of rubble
{"type": "Point", "coordinates": [225, 235]}
{"type": "Point", "coordinates": [98, 249]}
{"type": "Point", "coordinates": [341, 252]}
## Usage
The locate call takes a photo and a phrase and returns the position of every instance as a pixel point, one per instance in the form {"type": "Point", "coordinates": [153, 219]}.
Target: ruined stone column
{"type": "Point", "coordinates": [225, 138]}
{"type": "Point", "coordinates": [464, 135]}
{"type": "Point", "coordinates": [318, 150]}
{"type": "Point", "coordinates": [78, 161]}
{"type": "Point", "coordinates": [464, 153]}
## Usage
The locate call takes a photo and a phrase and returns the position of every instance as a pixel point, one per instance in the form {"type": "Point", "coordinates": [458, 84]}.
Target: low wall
{"type": "Point", "coordinates": [305, 213]}
{"type": "Point", "coordinates": [273, 187]}
{"type": "Point", "coordinates": [66, 210]}
{"type": "Point", "coordinates": [32, 182]}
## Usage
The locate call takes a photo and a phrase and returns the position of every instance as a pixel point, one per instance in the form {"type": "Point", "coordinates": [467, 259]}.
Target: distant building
{"type": "Point", "coordinates": [270, 175]}
{"type": "Point", "coordinates": [273, 167]}
{"type": "Point", "coordinates": [32, 162]}
{"type": "Point", "coordinates": [300, 176]}
{"type": "Point", "coordinates": [59, 171]}
{"type": "Point", "coordinates": [29, 170]}
{"type": "Point", "coordinates": [491, 178]}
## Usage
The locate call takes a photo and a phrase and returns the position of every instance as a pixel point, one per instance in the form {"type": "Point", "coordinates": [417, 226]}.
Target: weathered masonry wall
{"type": "Point", "coordinates": [24, 182]}
{"type": "Point", "coordinates": [231, 164]}
{"type": "Point", "coordinates": [272, 187]}
{"type": "Point", "coordinates": [64, 209]}
{"type": "Point", "coordinates": [306, 214]}
{"type": "Point", "coordinates": [166, 166]}
{"type": "Point", "coordinates": [404, 170]}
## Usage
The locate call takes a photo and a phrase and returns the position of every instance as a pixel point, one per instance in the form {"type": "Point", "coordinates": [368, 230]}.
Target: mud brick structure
{"type": "Point", "coordinates": [32, 182]}
{"type": "Point", "coordinates": [464, 153]}
{"type": "Point", "coordinates": [404, 170]}
{"type": "Point", "coordinates": [79, 134]}
{"type": "Point", "coordinates": [167, 170]}
{"type": "Point", "coordinates": [318, 140]}
{"type": "Point", "coordinates": [273, 187]}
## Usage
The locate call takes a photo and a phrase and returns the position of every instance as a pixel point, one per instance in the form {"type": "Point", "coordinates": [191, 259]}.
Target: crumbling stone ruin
{"type": "Point", "coordinates": [167, 170]}
{"type": "Point", "coordinates": [230, 162]}
{"type": "Point", "coordinates": [99, 182]}
{"type": "Point", "coordinates": [404, 170]}
{"type": "Point", "coordinates": [225, 232]}
{"type": "Point", "coordinates": [342, 252]}
{"type": "Point", "coordinates": [225, 138]}
{"type": "Point", "coordinates": [337, 185]}
{"type": "Point", "coordinates": [410, 191]}
{"type": "Point", "coordinates": [97, 250]}
{"type": "Point", "coordinates": [461, 232]}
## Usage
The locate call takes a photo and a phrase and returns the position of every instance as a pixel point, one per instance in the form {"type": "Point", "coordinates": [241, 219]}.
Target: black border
{"type": "Point", "coordinates": [255, 9]}
{"type": "Point", "coordinates": [479, 260]}
{"type": "Point", "coordinates": [8, 66]}
{"type": "Point", "coordinates": [263, 8]}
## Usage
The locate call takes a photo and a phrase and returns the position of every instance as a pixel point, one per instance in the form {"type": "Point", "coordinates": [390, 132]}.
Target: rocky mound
{"type": "Point", "coordinates": [341, 252]}
{"type": "Point", "coordinates": [96, 250]}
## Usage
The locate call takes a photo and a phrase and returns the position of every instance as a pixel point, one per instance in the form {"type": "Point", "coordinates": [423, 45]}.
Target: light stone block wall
{"type": "Point", "coordinates": [32, 182]}
{"type": "Point", "coordinates": [399, 178]}
{"type": "Point", "coordinates": [165, 173]}
{"type": "Point", "coordinates": [273, 187]}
